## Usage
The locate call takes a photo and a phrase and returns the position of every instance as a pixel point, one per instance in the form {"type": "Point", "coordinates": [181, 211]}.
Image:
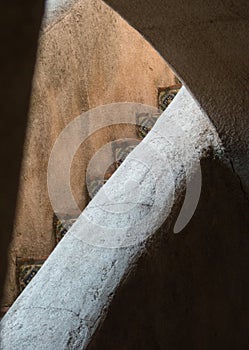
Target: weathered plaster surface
{"type": "Point", "coordinates": [68, 299]}
{"type": "Point", "coordinates": [86, 58]}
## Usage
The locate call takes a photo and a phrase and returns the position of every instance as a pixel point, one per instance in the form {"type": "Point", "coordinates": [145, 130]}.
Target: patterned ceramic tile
{"type": "Point", "coordinates": [61, 227]}
{"type": "Point", "coordinates": [121, 149]}
{"type": "Point", "coordinates": [166, 96]}
{"type": "Point", "coordinates": [27, 269]}
{"type": "Point", "coordinates": [94, 186]}
{"type": "Point", "coordinates": [111, 169]}
{"type": "Point", "coordinates": [145, 122]}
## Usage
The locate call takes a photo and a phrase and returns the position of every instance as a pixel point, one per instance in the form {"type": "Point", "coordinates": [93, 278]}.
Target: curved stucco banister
{"type": "Point", "coordinates": [66, 301]}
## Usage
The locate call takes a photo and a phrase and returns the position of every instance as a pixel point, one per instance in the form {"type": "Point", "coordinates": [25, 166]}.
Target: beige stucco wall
{"type": "Point", "coordinates": [87, 57]}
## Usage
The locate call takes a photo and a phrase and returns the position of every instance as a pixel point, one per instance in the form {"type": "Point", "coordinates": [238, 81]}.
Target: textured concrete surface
{"type": "Point", "coordinates": [207, 44]}
{"type": "Point", "coordinates": [79, 280]}
{"type": "Point", "coordinates": [19, 24]}
{"type": "Point", "coordinates": [88, 56]}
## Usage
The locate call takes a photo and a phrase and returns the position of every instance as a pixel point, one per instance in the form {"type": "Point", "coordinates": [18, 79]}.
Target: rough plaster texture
{"type": "Point", "coordinates": [207, 44]}
{"type": "Point", "coordinates": [69, 297]}
{"type": "Point", "coordinates": [88, 56]}
{"type": "Point", "coordinates": [19, 24]}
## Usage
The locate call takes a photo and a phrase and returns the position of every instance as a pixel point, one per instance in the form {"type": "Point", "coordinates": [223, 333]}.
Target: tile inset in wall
{"type": "Point", "coordinates": [145, 122]}
{"type": "Point", "coordinates": [120, 149]}
{"type": "Point", "coordinates": [166, 96]}
{"type": "Point", "coordinates": [94, 186]}
{"type": "Point", "coordinates": [26, 270]}
{"type": "Point", "coordinates": [61, 226]}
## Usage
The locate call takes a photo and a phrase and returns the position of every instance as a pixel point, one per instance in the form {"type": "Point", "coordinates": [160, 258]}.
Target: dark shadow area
{"type": "Point", "coordinates": [19, 28]}
{"type": "Point", "coordinates": [208, 49]}
{"type": "Point", "coordinates": [190, 290]}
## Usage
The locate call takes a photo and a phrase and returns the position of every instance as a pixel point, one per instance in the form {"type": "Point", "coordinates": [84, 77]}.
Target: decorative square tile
{"type": "Point", "coordinates": [27, 269]}
{"type": "Point", "coordinates": [94, 186]}
{"type": "Point", "coordinates": [62, 226]}
{"type": "Point", "coordinates": [166, 95]}
{"type": "Point", "coordinates": [111, 170]}
{"type": "Point", "coordinates": [145, 122]}
{"type": "Point", "coordinates": [121, 149]}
